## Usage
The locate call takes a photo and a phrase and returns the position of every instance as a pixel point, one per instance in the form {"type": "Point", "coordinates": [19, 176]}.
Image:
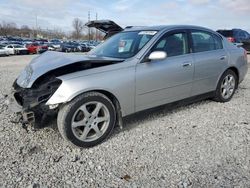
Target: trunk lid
{"type": "Point", "coordinates": [107, 26]}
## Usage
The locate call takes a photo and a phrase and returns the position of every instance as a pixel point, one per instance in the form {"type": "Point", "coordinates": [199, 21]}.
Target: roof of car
{"type": "Point", "coordinates": [163, 27]}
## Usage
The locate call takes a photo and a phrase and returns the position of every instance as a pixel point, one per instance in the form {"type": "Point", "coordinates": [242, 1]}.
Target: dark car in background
{"type": "Point", "coordinates": [83, 47]}
{"type": "Point", "coordinates": [237, 36]}
{"type": "Point", "coordinates": [68, 47]}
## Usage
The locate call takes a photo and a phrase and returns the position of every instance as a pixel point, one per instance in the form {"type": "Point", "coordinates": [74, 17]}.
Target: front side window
{"type": "Point", "coordinates": [173, 44]}
{"type": "Point", "coordinates": [124, 45]}
{"type": "Point", "coordinates": [204, 41]}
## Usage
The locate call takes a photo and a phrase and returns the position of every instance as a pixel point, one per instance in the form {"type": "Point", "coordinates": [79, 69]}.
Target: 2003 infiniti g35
{"type": "Point", "coordinates": [136, 69]}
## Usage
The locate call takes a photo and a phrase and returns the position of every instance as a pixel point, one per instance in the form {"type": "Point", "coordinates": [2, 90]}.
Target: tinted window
{"type": "Point", "coordinates": [173, 44]}
{"type": "Point", "coordinates": [246, 34]}
{"type": "Point", "coordinates": [226, 33]}
{"type": "Point", "coordinates": [241, 34]}
{"type": "Point", "coordinates": [203, 41]}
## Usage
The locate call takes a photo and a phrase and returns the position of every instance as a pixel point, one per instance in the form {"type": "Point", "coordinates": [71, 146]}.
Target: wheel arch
{"type": "Point", "coordinates": [113, 99]}
{"type": "Point", "coordinates": [236, 71]}
{"type": "Point", "coordinates": [232, 68]}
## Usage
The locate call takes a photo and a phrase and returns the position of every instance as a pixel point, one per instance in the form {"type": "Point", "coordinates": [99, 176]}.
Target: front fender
{"type": "Point", "coordinates": [119, 82]}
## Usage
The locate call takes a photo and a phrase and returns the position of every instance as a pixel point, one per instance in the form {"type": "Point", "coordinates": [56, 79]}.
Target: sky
{"type": "Point", "coordinates": [214, 14]}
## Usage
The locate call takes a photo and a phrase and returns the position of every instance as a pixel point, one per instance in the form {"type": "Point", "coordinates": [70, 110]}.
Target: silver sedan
{"type": "Point", "coordinates": [134, 70]}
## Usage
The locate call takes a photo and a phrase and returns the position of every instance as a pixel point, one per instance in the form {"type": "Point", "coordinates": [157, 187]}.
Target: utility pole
{"type": "Point", "coordinates": [89, 20]}
{"type": "Point", "coordinates": [96, 29]}
{"type": "Point", "coordinates": [36, 26]}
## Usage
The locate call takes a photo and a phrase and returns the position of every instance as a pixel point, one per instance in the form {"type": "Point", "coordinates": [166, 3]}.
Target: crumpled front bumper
{"type": "Point", "coordinates": [30, 103]}
{"type": "Point", "coordinates": [27, 117]}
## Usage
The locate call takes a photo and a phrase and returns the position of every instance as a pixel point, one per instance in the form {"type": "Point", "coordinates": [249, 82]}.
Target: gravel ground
{"type": "Point", "coordinates": [205, 144]}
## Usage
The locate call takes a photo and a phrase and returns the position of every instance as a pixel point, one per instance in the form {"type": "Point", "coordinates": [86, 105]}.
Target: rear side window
{"type": "Point", "coordinates": [173, 44]}
{"type": "Point", "coordinates": [226, 33]}
{"type": "Point", "coordinates": [204, 41]}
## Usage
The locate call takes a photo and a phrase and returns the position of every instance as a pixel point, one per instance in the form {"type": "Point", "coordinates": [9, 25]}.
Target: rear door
{"type": "Point", "coordinates": [162, 81]}
{"type": "Point", "coordinates": [210, 59]}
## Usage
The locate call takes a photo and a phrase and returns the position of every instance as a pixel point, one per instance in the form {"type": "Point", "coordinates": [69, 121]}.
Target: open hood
{"type": "Point", "coordinates": [50, 61]}
{"type": "Point", "coordinates": [107, 26]}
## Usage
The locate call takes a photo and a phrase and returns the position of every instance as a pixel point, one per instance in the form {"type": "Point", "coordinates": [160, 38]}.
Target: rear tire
{"type": "Point", "coordinates": [87, 120]}
{"type": "Point", "coordinates": [226, 86]}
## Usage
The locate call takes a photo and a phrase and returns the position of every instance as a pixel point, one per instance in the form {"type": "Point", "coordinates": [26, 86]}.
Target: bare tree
{"type": "Point", "coordinates": [8, 28]}
{"type": "Point", "coordinates": [25, 31]}
{"type": "Point", "coordinates": [78, 28]}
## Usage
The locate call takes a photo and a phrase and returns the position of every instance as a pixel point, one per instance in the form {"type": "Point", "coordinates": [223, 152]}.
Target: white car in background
{"type": "Point", "coordinates": [3, 51]}
{"type": "Point", "coordinates": [16, 49]}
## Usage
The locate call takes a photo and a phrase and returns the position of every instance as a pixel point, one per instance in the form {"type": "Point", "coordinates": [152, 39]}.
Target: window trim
{"type": "Point", "coordinates": [204, 31]}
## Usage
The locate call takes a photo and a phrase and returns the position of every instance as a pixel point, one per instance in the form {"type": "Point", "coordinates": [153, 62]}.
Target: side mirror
{"type": "Point", "coordinates": [157, 55]}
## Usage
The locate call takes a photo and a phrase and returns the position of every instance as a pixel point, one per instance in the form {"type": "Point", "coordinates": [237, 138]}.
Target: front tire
{"type": "Point", "coordinates": [226, 86]}
{"type": "Point", "coordinates": [87, 120]}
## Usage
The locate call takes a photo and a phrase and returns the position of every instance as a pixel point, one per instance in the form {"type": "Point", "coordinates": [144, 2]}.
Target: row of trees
{"type": "Point", "coordinates": [80, 31]}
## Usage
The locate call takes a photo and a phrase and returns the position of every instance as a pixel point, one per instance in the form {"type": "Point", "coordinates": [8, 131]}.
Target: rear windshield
{"type": "Point", "coordinates": [226, 33]}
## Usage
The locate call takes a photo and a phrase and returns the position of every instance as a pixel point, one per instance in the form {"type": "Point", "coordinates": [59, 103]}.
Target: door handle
{"type": "Point", "coordinates": [186, 64]}
{"type": "Point", "coordinates": [223, 57]}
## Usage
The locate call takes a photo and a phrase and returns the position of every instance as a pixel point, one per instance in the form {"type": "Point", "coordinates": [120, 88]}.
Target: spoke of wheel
{"type": "Point", "coordinates": [225, 82]}
{"type": "Point", "coordinates": [78, 124]}
{"type": "Point", "coordinates": [85, 111]}
{"type": "Point", "coordinates": [101, 119]}
{"type": "Point", "coordinates": [97, 130]}
{"type": "Point", "coordinates": [224, 92]}
{"type": "Point", "coordinates": [97, 109]}
{"type": "Point", "coordinates": [85, 133]}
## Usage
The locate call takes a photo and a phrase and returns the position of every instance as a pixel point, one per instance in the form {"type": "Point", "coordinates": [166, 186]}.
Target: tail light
{"type": "Point", "coordinates": [231, 39]}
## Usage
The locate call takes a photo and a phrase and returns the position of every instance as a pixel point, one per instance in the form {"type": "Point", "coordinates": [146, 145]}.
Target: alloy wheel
{"type": "Point", "coordinates": [228, 86]}
{"type": "Point", "coordinates": [90, 121]}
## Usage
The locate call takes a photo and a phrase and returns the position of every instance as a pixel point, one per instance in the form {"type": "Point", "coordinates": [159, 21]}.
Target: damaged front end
{"type": "Point", "coordinates": [30, 103]}
{"type": "Point", "coordinates": [39, 81]}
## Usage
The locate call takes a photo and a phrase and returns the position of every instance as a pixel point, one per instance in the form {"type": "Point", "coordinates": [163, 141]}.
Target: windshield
{"type": "Point", "coordinates": [124, 45]}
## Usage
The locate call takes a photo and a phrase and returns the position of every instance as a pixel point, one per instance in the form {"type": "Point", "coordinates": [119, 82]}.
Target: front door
{"type": "Point", "coordinates": [163, 81]}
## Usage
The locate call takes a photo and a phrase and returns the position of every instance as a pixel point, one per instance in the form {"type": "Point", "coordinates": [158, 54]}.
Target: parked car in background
{"type": "Point", "coordinates": [35, 48]}
{"type": "Point", "coordinates": [55, 43]}
{"type": "Point", "coordinates": [51, 47]}
{"type": "Point", "coordinates": [237, 36]}
{"type": "Point", "coordinates": [16, 49]}
{"type": "Point", "coordinates": [3, 51]}
{"type": "Point", "coordinates": [83, 47]}
{"type": "Point", "coordinates": [68, 47]}
{"type": "Point", "coordinates": [136, 69]}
